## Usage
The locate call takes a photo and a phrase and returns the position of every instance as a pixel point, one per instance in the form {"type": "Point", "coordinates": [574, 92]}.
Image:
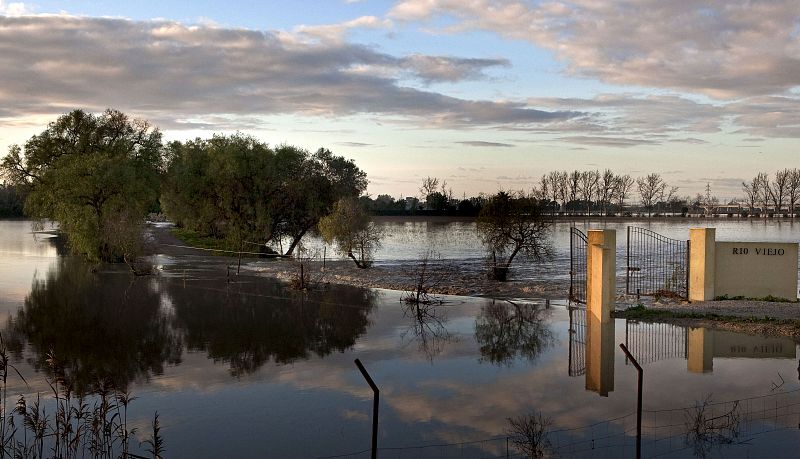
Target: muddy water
{"type": "Point", "coordinates": [248, 368]}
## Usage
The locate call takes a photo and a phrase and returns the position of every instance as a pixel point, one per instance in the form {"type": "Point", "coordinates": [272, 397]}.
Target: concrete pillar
{"type": "Point", "coordinates": [700, 358]}
{"type": "Point", "coordinates": [601, 273]}
{"type": "Point", "coordinates": [702, 248]}
{"type": "Point", "coordinates": [601, 285]}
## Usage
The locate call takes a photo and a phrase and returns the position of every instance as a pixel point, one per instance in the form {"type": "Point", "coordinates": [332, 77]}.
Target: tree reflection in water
{"type": "Point", "coordinates": [505, 330]}
{"type": "Point", "coordinates": [111, 327]}
{"type": "Point", "coordinates": [251, 323]}
{"type": "Point", "coordinates": [427, 327]}
{"type": "Point", "coordinates": [102, 327]}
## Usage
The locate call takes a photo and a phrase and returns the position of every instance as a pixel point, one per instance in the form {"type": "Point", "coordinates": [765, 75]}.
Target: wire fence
{"type": "Point", "coordinates": [692, 430]}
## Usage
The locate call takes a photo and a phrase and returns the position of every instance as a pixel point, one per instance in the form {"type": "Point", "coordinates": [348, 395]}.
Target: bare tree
{"type": "Point", "coordinates": [574, 185]}
{"type": "Point", "coordinates": [429, 186]}
{"type": "Point", "coordinates": [763, 190]}
{"type": "Point", "coordinates": [556, 190]}
{"type": "Point", "coordinates": [429, 276]}
{"type": "Point", "coordinates": [670, 198]}
{"type": "Point", "coordinates": [706, 429]}
{"type": "Point", "coordinates": [589, 181]}
{"type": "Point", "coordinates": [563, 189]}
{"type": "Point", "coordinates": [542, 192]}
{"type": "Point", "coordinates": [508, 225]}
{"type": "Point", "coordinates": [793, 194]}
{"type": "Point", "coordinates": [751, 194]}
{"type": "Point", "coordinates": [622, 188]}
{"type": "Point", "coordinates": [780, 188]}
{"type": "Point", "coordinates": [651, 188]}
{"type": "Point", "coordinates": [606, 189]}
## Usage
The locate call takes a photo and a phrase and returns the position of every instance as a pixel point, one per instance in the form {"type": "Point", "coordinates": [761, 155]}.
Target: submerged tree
{"type": "Point", "coordinates": [510, 224]}
{"type": "Point", "coordinates": [87, 172]}
{"type": "Point", "coordinates": [239, 189]}
{"type": "Point", "coordinates": [351, 228]}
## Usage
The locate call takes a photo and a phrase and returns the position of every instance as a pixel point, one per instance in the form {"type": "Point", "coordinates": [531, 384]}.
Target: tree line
{"type": "Point", "coordinates": [559, 192]}
{"type": "Point", "coordinates": [99, 176]}
{"type": "Point", "coordinates": [780, 194]}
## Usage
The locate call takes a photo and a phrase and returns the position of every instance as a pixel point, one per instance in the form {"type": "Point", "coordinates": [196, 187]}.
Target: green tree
{"type": "Point", "coordinates": [351, 228]}
{"type": "Point", "coordinates": [316, 184]}
{"type": "Point", "coordinates": [239, 189]}
{"type": "Point", "coordinates": [510, 224]}
{"type": "Point", "coordinates": [88, 173]}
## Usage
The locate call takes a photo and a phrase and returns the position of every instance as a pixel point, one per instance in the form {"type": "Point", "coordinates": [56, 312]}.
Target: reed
{"type": "Point", "coordinates": [93, 425]}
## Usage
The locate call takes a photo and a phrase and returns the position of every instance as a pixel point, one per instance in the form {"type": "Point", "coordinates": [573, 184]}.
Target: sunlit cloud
{"type": "Point", "coordinates": [723, 49]}
{"type": "Point", "coordinates": [168, 71]}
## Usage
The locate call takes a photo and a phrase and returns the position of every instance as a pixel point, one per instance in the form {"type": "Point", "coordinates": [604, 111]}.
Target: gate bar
{"type": "Point", "coordinates": [376, 393]}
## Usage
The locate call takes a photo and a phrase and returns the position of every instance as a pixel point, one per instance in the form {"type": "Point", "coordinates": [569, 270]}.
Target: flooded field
{"type": "Point", "coordinates": [248, 368]}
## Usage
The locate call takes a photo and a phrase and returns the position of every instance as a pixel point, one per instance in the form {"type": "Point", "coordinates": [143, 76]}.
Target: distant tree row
{"type": "Point", "coordinates": [581, 191]}
{"type": "Point", "coordinates": [779, 194]}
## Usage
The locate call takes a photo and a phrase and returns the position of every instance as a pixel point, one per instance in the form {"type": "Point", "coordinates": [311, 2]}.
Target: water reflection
{"type": "Point", "coordinates": [255, 321]}
{"type": "Point", "coordinates": [591, 350]}
{"type": "Point", "coordinates": [427, 327]}
{"type": "Point", "coordinates": [600, 348]}
{"type": "Point", "coordinates": [652, 342]}
{"type": "Point", "coordinates": [112, 327]}
{"type": "Point", "coordinates": [108, 327]}
{"type": "Point", "coordinates": [703, 345]}
{"type": "Point", "coordinates": [506, 330]}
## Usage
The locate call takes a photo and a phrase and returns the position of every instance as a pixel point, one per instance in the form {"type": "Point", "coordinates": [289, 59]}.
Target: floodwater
{"type": "Point", "coordinates": [406, 241]}
{"type": "Point", "coordinates": [248, 368]}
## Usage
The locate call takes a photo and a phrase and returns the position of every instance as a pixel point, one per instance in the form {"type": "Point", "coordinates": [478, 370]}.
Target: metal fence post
{"type": "Point", "coordinates": [375, 398]}
{"type": "Point", "coordinates": [638, 400]}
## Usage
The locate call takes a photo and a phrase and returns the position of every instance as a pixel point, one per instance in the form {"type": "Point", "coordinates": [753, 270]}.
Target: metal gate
{"type": "Point", "coordinates": [577, 341]}
{"type": "Point", "coordinates": [578, 244]}
{"type": "Point", "coordinates": [657, 265]}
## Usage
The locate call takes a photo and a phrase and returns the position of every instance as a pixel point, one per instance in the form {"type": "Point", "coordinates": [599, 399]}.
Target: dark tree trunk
{"type": "Point", "coordinates": [356, 260]}
{"type": "Point", "coordinates": [295, 241]}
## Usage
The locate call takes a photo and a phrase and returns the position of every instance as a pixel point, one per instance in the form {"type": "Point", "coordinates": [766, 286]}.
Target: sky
{"type": "Point", "coordinates": [485, 95]}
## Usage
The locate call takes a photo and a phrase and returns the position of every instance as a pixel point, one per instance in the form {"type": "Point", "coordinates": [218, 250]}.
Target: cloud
{"type": "Point", "coordinates": [655, 116]}
{"type": "Point", "coordinates": [768, 116]}
{"type": "Point", "coordinates": [598, 141]}
{"type": "Point", "coordinates": [724, 49]}
{"type": "Point", "coordinates": [337, 32]}
{"type": "Point", "coordinates": [14, 8]}
{"type": "Point", "coordinates": [481, 143]}
{"type": "Point", "coordinates": [689, 140]}
{"type": "Point", "coordinates": [165, 71]}
{"type": "Point", "coordinates": [441, 68]}
{"type": "Point", "coordinates": [355, 144]}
